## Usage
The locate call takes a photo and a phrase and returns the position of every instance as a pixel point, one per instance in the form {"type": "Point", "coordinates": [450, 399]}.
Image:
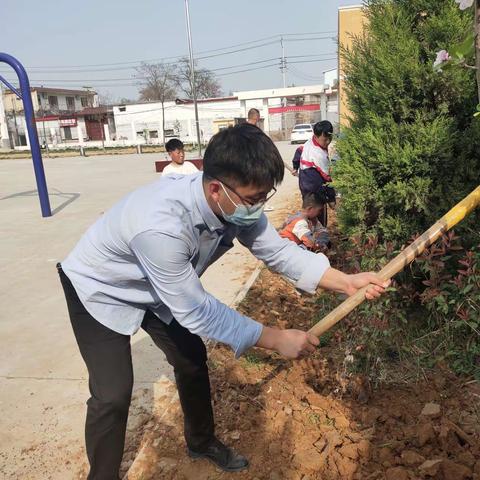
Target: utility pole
{"type": "Point", "coordinates": [283, 64]}
{"type": "Point", "coordinates": [192, 77]}
{"type": "Point", "coordinates": [283, 69]}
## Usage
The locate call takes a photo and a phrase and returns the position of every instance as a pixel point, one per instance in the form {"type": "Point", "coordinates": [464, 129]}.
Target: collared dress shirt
{"type": "Point", "coordinates": [150, 249]}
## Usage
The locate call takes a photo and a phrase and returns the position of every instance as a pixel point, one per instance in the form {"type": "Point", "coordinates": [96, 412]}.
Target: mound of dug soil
{"type": "Point", "coordinates": [308, 419]}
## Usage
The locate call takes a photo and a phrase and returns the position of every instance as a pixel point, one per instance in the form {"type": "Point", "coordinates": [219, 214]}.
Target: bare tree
{"type": "Point", "coordinates": [157, 82]}
{"type": "Point", "coordinates": [106, 98]}
{"type": "Point", "coordinates": [125, 101]}
{"type": "Point", "coordinates": [206, 84]}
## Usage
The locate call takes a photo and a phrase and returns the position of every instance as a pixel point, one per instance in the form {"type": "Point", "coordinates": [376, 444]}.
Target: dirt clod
{"type": "Point", "coordinates": [466, 458]}
{"type": "Point", "coordinates": [310, 459]}
{"type": "Point", "coordinates": [364, 449]}
{"type": "Point", "coordinates": [396, 473]}
{"type": "Point", "coordinates": [349, 451]}
{"type": "Point", "coordinates": [409, 457]}
{"type": "Point", "coordinates": [430, 467]}
{"type": "Point", "coordinates": [455, 471]}
{"type": "Point", "coordinates": [346, 468]}
{"type": "Point", "coordinates": [431, 410]}
{"type": "Point", "coordinates": [385, 455]}
{"type": "Point", "coordinates": [425, 433]}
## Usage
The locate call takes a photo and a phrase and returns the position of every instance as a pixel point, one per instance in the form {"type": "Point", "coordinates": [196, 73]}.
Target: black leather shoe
{"type": "Point", "coordinates": [222, 456]}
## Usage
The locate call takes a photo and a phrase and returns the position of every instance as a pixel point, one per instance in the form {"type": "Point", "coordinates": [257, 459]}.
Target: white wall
{"type": "Point", "coordinates": [330, 76]}
{"type": "Point", "coordinates": [180, 118]}
{"type": "Point", "coordinates": [136, 118]}
{"type": "Point", "coordinates": [332, 108]}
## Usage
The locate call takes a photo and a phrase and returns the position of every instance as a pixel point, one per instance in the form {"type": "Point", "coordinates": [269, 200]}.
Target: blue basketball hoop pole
{"type": "Point", "coordinates": [26, 97]}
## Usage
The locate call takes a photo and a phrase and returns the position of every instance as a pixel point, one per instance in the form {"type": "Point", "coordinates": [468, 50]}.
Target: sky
{"type": "Point", "coordinates": [98, 43]}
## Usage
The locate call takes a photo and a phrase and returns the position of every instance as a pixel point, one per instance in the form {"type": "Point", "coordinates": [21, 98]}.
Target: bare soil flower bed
{"type": "Point", "coordinates": [311, 419]}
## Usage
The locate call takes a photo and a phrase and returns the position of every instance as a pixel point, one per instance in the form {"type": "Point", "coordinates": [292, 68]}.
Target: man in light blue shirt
{"type": "Point", "coordinates": [140, 264]}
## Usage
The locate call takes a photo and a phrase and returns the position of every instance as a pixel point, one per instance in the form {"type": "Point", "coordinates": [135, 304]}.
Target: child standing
{"type": "Point", "coordinates": [314, 170]}
{"type": "Point", "coordinates": [304, 228]}
{"type": "Point", "coordinates": [178, 164]}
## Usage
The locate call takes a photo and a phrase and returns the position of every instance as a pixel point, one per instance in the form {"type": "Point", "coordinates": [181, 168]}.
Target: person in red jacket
{"type": "Point", "coordinates": [314, 169]}
{"type": "Point", "coordinates": [304, 228]}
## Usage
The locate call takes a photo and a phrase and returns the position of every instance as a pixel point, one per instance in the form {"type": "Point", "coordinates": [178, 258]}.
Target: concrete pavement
{"type": "Point", "coordinates": [43, 384]}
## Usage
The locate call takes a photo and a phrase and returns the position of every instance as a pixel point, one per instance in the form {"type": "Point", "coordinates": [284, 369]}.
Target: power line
{"type": "Point", "coordinates": [314, 61]}
{"type": "Point", "coordinates": [308, 39]}
{"type": "Point", "coordinates": [53, 70]}
{"type": "Point", "coordinates": [243, 65]}
{"type": "Point", "coordinates": [160, 60]}
{"type": "Point", "coordinates": [129, 68]}
{"type": "Point", "coordinates": [79, 82]}
{"type": "Point", "coordinates": [130, 81]}
{"type": "Point", "coordinates": [304, 76]}
{"type": "Point", "coordinates": [248, 70]}
{"type": "Point", "coordinates": [94, 80]}
{"type": "Point", "coordinates": [132, 68]}
{"type": "Point", "coordinates": [311, 56]}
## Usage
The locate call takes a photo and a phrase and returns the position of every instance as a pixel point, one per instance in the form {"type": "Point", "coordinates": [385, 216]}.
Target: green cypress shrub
{"type": "Point", "coordinates": [412, 149]}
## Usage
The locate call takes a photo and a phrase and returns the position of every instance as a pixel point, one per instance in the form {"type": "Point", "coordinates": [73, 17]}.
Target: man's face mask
{"type": "Point", "coordinates": [243, 216]}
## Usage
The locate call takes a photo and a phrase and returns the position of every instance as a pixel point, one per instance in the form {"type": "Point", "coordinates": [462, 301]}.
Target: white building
{"type": "Point", "coordinates": [63, 116]}
{"type": "Point", "coordinates": [142, 122]}
{"type": "Point", "coordinates": [280, 109]}
{"type": "Point", "coordinates": [70, 118]}
{"type": "Point", "coordinates": [330, 77]}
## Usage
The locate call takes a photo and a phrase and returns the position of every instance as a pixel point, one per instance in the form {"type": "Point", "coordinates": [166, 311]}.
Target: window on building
{"type": "Point", "coordinates": [53, 101]}
{"type": "Point", "coordinates": [70, 103]}
{"type": "Point", "coordinates": [153, 133]}
{"type": "Point", "coordinates": [84, 101]}
{"type": "Point", "coordinates": [122, 109]}
{"type": "Point", "coordinates": [68, 133]}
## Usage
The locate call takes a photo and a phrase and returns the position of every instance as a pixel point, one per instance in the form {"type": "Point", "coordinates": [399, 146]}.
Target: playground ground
{"type": "Point", "coordinates": [43, 383]}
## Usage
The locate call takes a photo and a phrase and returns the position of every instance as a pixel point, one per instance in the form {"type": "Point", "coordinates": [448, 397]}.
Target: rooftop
{"type": "Point", "coordinates": [61, 91]}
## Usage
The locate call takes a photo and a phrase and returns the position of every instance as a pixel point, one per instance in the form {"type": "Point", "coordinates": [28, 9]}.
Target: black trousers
{"type": "Point", "coordinates": [107, 355]}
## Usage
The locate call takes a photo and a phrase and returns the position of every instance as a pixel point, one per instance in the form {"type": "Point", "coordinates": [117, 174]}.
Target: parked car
{"type": "Point", "coordinates": [301, 133]}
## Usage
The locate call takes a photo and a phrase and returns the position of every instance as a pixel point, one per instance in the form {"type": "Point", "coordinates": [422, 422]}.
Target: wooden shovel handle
{"type": "Point", "coordinates": [406, 256]}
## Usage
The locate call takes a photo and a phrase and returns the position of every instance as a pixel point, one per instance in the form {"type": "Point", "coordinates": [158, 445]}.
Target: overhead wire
{"type": "Point", "coordinates": [302, 75]}
{"type": "Point", "coordinates": [212, 53]}
{"type": "Point", "coordinates": [198, 55]}
{"type": "Point", "coordinates": [101, 80]}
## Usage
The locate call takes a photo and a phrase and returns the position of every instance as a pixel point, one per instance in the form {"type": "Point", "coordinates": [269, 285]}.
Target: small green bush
{"type": "Point", "coordinates": [430, 315]}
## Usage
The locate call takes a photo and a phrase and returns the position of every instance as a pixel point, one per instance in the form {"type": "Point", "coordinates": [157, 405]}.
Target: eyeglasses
{"type": "Point", "coordinates": [250, 203]}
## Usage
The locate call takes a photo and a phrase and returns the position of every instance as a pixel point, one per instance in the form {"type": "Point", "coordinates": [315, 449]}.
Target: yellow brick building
{"type": "Point", "coordinates": [351, 21]}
